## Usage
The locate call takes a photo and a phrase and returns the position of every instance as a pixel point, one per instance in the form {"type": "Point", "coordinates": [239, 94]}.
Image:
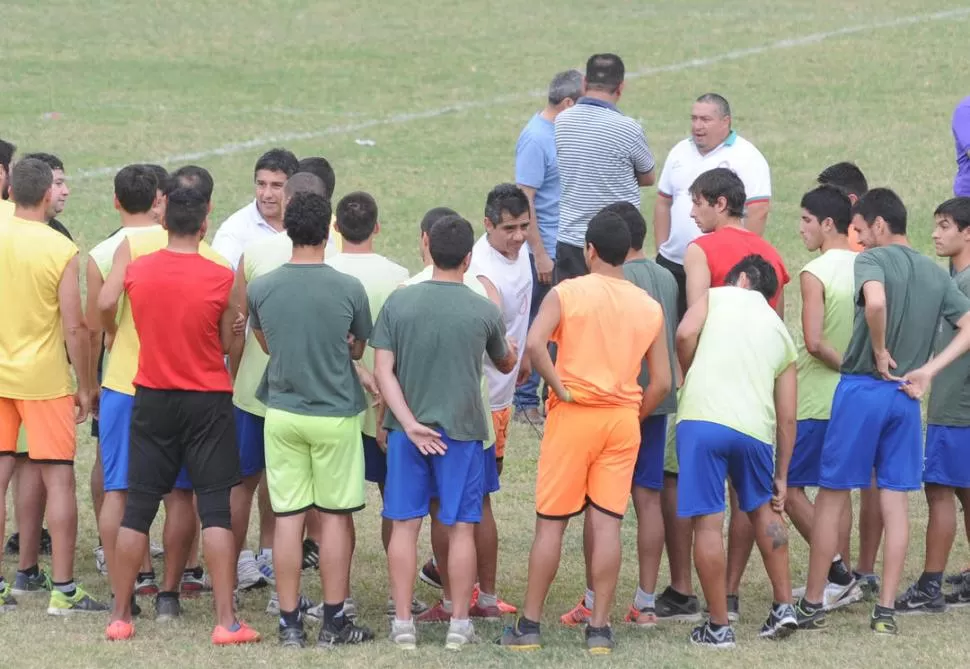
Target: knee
{"type": "Point", "coordinates": [214, 509]}
{"type": "Point", "coordinates": [140, 510]}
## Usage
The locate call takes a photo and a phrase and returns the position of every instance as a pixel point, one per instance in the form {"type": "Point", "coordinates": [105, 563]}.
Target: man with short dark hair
{"type": "Point", "coordinates": [322, 168]}
{"type": "Point", "coordinates": [603, 157]}
{"type": "Point", "coordinates": [592, 437]}
{"type": "Point", "coordinates": [7, 151]}
{"type": "Point", "coordinates": [849, 178]}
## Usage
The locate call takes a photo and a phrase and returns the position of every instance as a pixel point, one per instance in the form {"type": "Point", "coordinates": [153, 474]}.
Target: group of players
{"type": "Point", "coordinates": [343, 369]}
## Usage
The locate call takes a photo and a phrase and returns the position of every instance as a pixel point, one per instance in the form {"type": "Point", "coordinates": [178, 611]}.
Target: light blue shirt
{"type": "Point", "coordinates": [536, 167]}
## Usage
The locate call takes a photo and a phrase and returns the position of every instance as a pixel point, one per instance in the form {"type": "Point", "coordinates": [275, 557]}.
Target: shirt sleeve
{"type": "Point", "coordinates": [495, 345]}
{"type": "Point", "coordinates": [756, 177]}
{"type": "Point", "coordinates": [665, 186]}
{"type": "Point", "coordinates": [362, 326]}
{"type": "Point", "coordinates": [381, 337]}
{"type": "Point", "coordinates": [530, 163]}
{"type": "Point", "coordinates": [641, 155]}
{"type": "Point", "coordinates": [227, 244]}
{"type": "Point", "coordinates": [955, 303]}
{"type": "Point", "coordinates": [867, 269]}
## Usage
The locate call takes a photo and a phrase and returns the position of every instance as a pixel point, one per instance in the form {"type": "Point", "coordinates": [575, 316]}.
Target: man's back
{"type": "Point", "coordinates": [606, 327]}
{"type": "Point", "coordinates": [726, 247]}
{"type": "Point", "coordinates": [743, 348]}
{"type": "Point", "coordinates": [536, 166]}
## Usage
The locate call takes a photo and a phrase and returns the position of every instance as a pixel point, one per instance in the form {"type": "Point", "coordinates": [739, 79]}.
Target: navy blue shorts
{"type": "Point", "coordinates": [375, 461]}
{"type": "Point", "coordinates": [710, 453]}
{"type": "Point", "coordinates": [456, 478]}
{"type": "Point", "coordinates": [806, 459]}
{"type": "Point", "coordinates": [945, 462]}
{"type": "Point", "coordinates": [874, 425]}
{"type": "Point", "coordinates": [649, 470]}
{"type": "Point", "coordinates": [252, 445]}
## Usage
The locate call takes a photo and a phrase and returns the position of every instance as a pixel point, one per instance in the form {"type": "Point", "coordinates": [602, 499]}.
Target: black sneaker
{"type": "Point", "coordinates": [809, 617]}
{"type": "Point", "coordinates": [599, 640]}
{"type": "Point", "coordinates": [292, 636]}
{"type": "Point", "coordinates": [782, 622]}
{"type": "Point", "coordinates": [916, 601]}
{"type": "Point", "coordinates": [883, 622]}
{"type": "Point", "coordinates": [13, 544]}
{"type": "Point", "coordinates": [514, 639]}
{"type": "Point", "coordinates": [869, 584]}
{"type": "Point", "coordinates": [167, 608]}
{"type": "Point", "coordinates": [840, 574]}
{"type": "Point", "coordinates": [733, 608]}
{"type": "Point", "coordinates": [348, 635]}
{"type": "Point", "coordinates": [311, 554]}
{"type": "Point", "coordinates": [957, 579]}
{"type": "Point", "coordinates": [671, 606]}
{"type": "Point", "coordinates": [960, 596]}
{"type": "Point", "coordinates": [705, 635]}
{"type": "Point", "coordinates": [45, 541]}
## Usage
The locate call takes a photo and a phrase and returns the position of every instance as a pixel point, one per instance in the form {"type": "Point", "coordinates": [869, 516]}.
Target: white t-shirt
{"type": "Point", "coordinates": [513, 281]}
{"type": "Point", "coordinates": [685, 163]}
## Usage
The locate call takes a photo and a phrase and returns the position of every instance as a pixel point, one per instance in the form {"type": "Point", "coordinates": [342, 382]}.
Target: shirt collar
{"type": "Point", "coordinates": [258, 219]}
{"type": "Point", "coordinates": [596, 102]}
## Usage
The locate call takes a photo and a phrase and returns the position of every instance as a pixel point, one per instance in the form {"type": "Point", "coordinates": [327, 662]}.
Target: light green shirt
{"type": "Point", "coordinates": [380, 277]}
{"type": "Point", "coordinates": [260, 258]}
{"type": "Point", "coordinates": [817, 381]}
{"type": "Point", "coordinates": [743, 348]}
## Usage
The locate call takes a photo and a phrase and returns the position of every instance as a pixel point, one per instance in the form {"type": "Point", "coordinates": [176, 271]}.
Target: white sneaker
{"type": "Point", "coordinates": [155, 550]}
{"type": "Point", "coordinates": [99, 562]}
{"type": "Point", "coordinates": [247, 573]}
{"type": "Point", "coordinates": [306, 606]}
{"type": "Point", "coordinates": [835, 596]}
{"type": "Point", "coordinates": [460, 636]}
{"type": "Point", "coordinates": [264, 562]}
{"type": "Point", "coordinates": [316, 612]}
{"type": "Point", "coordinates": [403, 634]}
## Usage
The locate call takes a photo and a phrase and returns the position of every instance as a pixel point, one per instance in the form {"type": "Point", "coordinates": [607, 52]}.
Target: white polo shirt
{"type": "Point", "coordinates": [685, 163]}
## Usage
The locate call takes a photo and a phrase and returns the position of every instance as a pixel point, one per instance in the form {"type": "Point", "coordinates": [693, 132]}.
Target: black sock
{"type": "Point", "coordinates": [68, 588]}
{"type": "Point", "coordinates": [882, 611]}
{"type": "Point", "coordinates": [930, 582]}
{"type": "Point", "coordinates": [333, 615]}
{"type": "Point", "coordinates": [291, 618]}
{"type": "Point", "coordinates": [142, 575]}
{"type": "Point", "coordinates": [526, 626]}
{"type": "Point", "coordinates": [197, 572]}
{"type": "Point", "coordinates": [168, 594]}
{"type": "Point", "coordinates": [677, 597]}
{"type": "Point", "coordinates": [810, 607]}
{"type": "Point", "coordinates": [839, 573]}
{"type": "Point", "coordinates": [30, 571]}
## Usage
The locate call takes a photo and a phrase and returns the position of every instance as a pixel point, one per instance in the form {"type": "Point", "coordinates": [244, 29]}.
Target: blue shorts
{"type": "Point", "coordinates": [874, 425]}
{"type": "Point", "coordinates": [709, 453]}
{"type": "Point", "coordinates": [649, 470]}
{"type": "Point", "coordinates": [945, 462]}
{"type": "Point", "coordinates": [806, 459]}
{"type": "Point", "coordinates": [491, 483]}
{"type": "Point", "coordinates": [249, 437]}
{"type": "Point", "coordinates": [457, 478]}
{"type": "Point", "coordinates": [375, 461]}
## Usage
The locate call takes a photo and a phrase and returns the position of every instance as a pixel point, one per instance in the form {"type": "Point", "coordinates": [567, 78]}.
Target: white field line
{"type": "Point", "coordinates": [397, 119]}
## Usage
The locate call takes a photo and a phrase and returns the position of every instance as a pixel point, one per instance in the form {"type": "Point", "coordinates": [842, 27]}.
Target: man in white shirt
{"type": "Point", "coordinates": [712, 144]}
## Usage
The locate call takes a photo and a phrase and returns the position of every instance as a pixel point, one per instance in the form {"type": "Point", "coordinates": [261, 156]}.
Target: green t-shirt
{"type": "Point", "coordinates": [438, 332]}
{"type": "Point", "coordinates": [950, 394]}
{"type": "Point", "coordinates": [305, 313]}
{"type": "Point", "coordinates": [918, 293]}
{"type": "Point", "coordinates": [817, 381]}
{"type": "Point", "coordinates": [659, 284]}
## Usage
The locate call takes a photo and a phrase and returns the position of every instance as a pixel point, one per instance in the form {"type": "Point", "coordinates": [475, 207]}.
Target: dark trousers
{"type": "Point", "coordinates": [681, 276]}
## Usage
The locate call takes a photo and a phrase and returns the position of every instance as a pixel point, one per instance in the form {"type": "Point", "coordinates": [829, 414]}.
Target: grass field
{"type": "Point", "coordinates": [443, 88]}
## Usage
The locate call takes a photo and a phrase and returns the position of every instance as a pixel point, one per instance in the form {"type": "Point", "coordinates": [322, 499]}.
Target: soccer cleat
{"type": "Point", "coordinates": [167, 608]}
{"type": "Point", "coordinates": [311, 554]}
{"type": "Point", "coordinates": [264, 563]}
{"type": "Point", "coordinates": [417, 607]}
{"type": "Point", "coordinates": [808, 617]}
{"type": "Point", "coordinates": [429, 574]}
{"type": "Point", "coordinates": [194, 583]}
{"type": "Point", "coordinates": [306, 605]}
{"type": "Point", "coordinates": [62, 605]}
{"type": "Point", "coordinates": [243, 633]}
{"type": "Point", "coordinates": [459, 637]}
{"type": "Point", "coordinates": [350, 634]}
{"type": "Point", "coordinates": [146, 586]}
{"type": "Point", "coordinates": [917, 601]}
{"type": "Point", "coordinates": [883, 623]}
{"type": "Point", "coordinates": [578, 615]}
{"type": "Point", "coordinates": [404, 635]}
{"type": "Point", "coordinates": [31, 585]}
{"type": "Point", "coordinates": [782, 622]}
{"type": "Point", "coordinates": [491, 613]}
{"type": "Point", "coordinates": [669, 607]}
{"type": "Point", "coordinates": [248, 575]}
{"type": "Point", "coordinates": [514, 639]}
{"type": "Point", "coordinates": [599, 640]}
{"type": "Point", "coordinates": [99, 562]}
{"type": "Point", "coordinates": [504, 607]}
{"type": "Point", "coordinates": [292, 636]}
{"type": "Point", "coordinates": [645, 617]}
{"type": "Point", "coordinates": [705, 635]}
{"type": "Point", "coordinates": [8, 603]}
{"type": "Point", "coordinates": [119, 630]}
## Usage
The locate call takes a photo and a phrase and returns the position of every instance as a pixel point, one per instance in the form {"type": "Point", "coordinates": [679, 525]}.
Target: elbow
{"type": "Point", "coordinates": [813, 346]}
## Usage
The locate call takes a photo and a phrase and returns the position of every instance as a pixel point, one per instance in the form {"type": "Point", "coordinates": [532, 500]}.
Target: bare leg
{"type": "Point", "coordinates": [829, 507]}
{"type": "Point", "coordinates": [335, 534]}
{"type": "Point", "coordinates": [678, 536]}
{"type": "Point", "coordinates": [772, 538]}
{"type": "Point", "coordinates": [97, 485]}
{"type": "Point", "coordinates": [6, 473]}
{"type": "Point", "coordinates": [486, 544]}
{"type": "Point", "coordinates": [605, 569]}
{"type": "Point", "coordinates": [543, 565]}
{"type": "Point", "coordinates": [112, 512]}
{"type": "Point", "coordinates": [29, 509]}
{"type": "Point", "coordinates": [963, 494]}
{"type": "Point", "coordinates": [61, 518]}
{"type": "Point", "coordinates": [941, 528]}
{"type": "Point", "coordinates": [740, 545]}
{"type": "Point", "coordinates": [241, 503]}
{"type": "Point", "coordinates": [127, 554]}
{"type": "Point", "coordinates": [385, 523]}
{"type": "Point", "coordinates": [180, 523]}
{"type": "Point", "coordinates": [462, 567]}
{"type": "Point", "coordinates": [801, 511]}
{"type": "Point", "coordinates": [219, 545]}
{"type": "Point", "coordinates": [870, 529]}
{"type": "Point", "coordinates": [440, 549]}
{"type": "Point", "coordinates": [650, 536]}
{"type": "Point", "coordinates": [711, 565]}
{"type": "Point", "coordinates": [267, 521]}
{"type": "Point", "coordinates": [402, 562]}
{"type": "Point", "coordinates": [288, 560]}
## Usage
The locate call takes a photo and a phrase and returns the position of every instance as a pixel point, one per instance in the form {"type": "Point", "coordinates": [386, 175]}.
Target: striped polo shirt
{"type": "Point", "coordinates": [600, 152]}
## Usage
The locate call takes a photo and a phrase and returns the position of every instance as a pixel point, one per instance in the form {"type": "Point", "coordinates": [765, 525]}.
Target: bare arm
{"type": "Point", "coordinates": [661, 219]}
{"type": "Point", "coordinates": [357, 349]}
{"type": "Point", "coordinates": [545, 323]}
{"type": "Point", "coordinates": [756, 218]}
{"type": "Point", "coordinates": [689, 333]}
{"type": "Point", "coordinates": [647, 178]}
{"type": "Point", "coordinates": [544, 264]}
{"type": "Point", "coordinates": [76, 336]}
{"type": "Point", "coordinates": [698, 273]}
{"type": "Point", "coordinates": [813, 317]}
{"type": "Point", "coordinates": [875, 313]}
{"type": "Point", "coordinates": [780, 304]}
{"type": "Point", "coordinates": [658, 367]}
{"type": "Point", "coordinates": [113, 288]}
{"type": "Point", "coordinates": [93, 317]}
{"type": "Point", "coordinates": [226, 336]}
{"type": "Point", "coordinates": [424, 438]}
{"type": "Point", "coordinates": [241, 308]}
{"type": "Point", "coordinates": [785, 412]}
{"type": "Point", "coordinates": [261, 339]}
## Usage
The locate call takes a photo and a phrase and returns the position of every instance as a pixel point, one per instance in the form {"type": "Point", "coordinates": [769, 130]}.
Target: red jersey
{"type": "Point", "coordinates": [177, 301]}
{"type": "Point", "coordinates": [726, 247]}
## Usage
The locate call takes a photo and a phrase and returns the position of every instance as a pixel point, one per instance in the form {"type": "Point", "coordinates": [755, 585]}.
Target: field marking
{"type": "Point", "coordinates": [397, 119]}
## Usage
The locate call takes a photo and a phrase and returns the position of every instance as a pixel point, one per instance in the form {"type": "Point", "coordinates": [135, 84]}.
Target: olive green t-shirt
{"type": "Point", "coordinates": [950, 395]}
{"type": "Point", "coordinates": [438, 332]}
{"type": "Point", "coordinates": [305, 312]}
{"type": "Point", "coordinates": [918, 294]}
{"type": "Point", "coordinates": [661, 285]}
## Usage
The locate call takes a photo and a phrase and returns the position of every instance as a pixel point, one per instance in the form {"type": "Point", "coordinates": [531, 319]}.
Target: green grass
{"type": "Point", "coordinates": [134, 81]}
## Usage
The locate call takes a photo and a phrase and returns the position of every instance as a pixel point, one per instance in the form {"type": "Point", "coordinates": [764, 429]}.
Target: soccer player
{"type": "Point", "coordinates": [873, 425]}
{"type": "Point", "coordinates": [7, 151]}
{"type": "Point", "coordinates": [40, 271]}
{"type": "Point", "coordinates": [604, 326]}
{"type": "Point", "coordinates": [301, 315]}
{"type": "Point", "coordinates": [182, 411]}
{"type": "Point", "coordinates": [828, 296]}
{"type": "Point", "coordinates": [321, 167]}
{"type": "Point", "coordinates": [849, 178]}
{"type": "Point", "coordinates": [946, 469]}
{"type": "Point", "coordinates": [429, 341]}
{"type": "Point", "coordinates": [733, 404]}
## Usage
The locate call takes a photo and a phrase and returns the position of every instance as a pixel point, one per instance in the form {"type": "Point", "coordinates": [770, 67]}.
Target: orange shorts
{"type": "Point", "coordinates": [49, 424]}
{"type": "Point", "coordinates": [587, 456]}
{"type": "Point", "coordinates": [500, 421]}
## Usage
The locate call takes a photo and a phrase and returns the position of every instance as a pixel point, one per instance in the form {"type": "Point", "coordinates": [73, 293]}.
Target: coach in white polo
{"type": "Point", "coordinates": [712, 144]}
{"type": "Point", "coordinates": [603, 158]}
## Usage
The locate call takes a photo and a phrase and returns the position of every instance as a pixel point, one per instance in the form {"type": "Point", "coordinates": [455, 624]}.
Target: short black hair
{"type": "Point", "coordinates": [186, 212]}
{"type": "Point", "coordinates": [846, 176]}
{"type": "Point", "coordinates": [136, 187]}
{"type": "Point", "coordinates": [717, 183]}
{"type": "Point", "coordinates": [633, 219]}
{"type": "Point", "coordinates": [7, 150]}
{"type": "Point", "coordinates": [164, 178]}
{"type": "Point", "coordinates": [957, 209]}
{"type": "Point", "coordinates": [305, 182]}
{"type": "Point", "coordinates": [885, 203]}
{"type": "Point", "coordinates": [322, 168]}
{"type": "Point", "coordinates": [278, 160]}
{"type": "Point", "coordinates": [434, 215]}
{"type": "Point", "coordinates": [610, 236]}
{"type": "Point", "coordinates": [52, 161]}
{"type": "Point", "coordinates": [827, 201]}
{"type": "Point", "coordinates": [307, 219]}
{"type": "Point", "coordinates": [450, 241]}
{"type": "Point", "coordinates": [30, 179]}
{"type": "Point", "coordinates": [193, 176]}
{"type": "Point", "coordinates": [762, 276]}
{"type": "Point", "coordinates": [604, 72]}
{"type": "Point", "coordinates": [357, 216]}
{"type": "Point", "coordinates": [505, 197]}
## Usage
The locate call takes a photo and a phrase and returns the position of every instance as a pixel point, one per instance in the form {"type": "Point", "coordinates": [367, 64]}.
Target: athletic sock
{"type": "Point", "coordinates": [884, 611]}
{"type": "Point", "coordinates": [66, 588]}
{"type": "Point", "coordinates": [196, 572]}
{"type": "Point", "coordinates": [30, 571]}
{"type": "Point", "coordinates": [446, 605]}
{"type": "Point", "coordinates": [291, 618]}
{"type": "Point", "coordinates": [333, 615]}
{"type": "Point", "coordinates": [460, 624]}
{"type": "Point", "coordinates": [168, 594]}
{"type": "Point", "coordinates": [486, 600]}
{"type": "Point", "coordinates": [930, 582]}
{"type": "Point", "coordinates": [589, 599]}
{"type": "Point", "coordinates": [643, 599]}
{"type": "Point", "coordinates": [525, 626]}
{"type": "Point", "coordinates": [146, 575]}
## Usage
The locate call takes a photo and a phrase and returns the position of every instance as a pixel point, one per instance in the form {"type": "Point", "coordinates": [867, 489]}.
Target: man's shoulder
{"type": "Point", "coordinates": [241, 217]}
{"type": "Point", "coordinates": [537, 129]}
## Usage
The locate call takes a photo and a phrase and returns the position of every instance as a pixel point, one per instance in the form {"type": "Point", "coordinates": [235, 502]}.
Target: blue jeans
{"type": "Point", "coordinates": [527, 395]}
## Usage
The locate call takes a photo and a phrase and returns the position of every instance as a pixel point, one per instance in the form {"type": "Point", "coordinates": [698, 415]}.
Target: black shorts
{"type": "Point", "coordinates": [570, 262]}
{"type": "Point", "coordinates": [172, 428]}
{"type": "Point", "coordinates": [681, 277]}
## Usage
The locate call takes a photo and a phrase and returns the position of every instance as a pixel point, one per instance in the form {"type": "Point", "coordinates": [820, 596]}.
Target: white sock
{"type": "Point", "coordinates": [446, 605]}
{"type": "Point", "coordinates": [460, 624]}
{"type": "Point", "coordinates": [643, 599]}
{"type": "Point", "coordinates": [589, 599]}
{"type": "Point", "coordinates": [403, 623]}
{"type": "Point", "coordinates": [837, 558]}
{"type": "Point", "coordinates": [486, 600]}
